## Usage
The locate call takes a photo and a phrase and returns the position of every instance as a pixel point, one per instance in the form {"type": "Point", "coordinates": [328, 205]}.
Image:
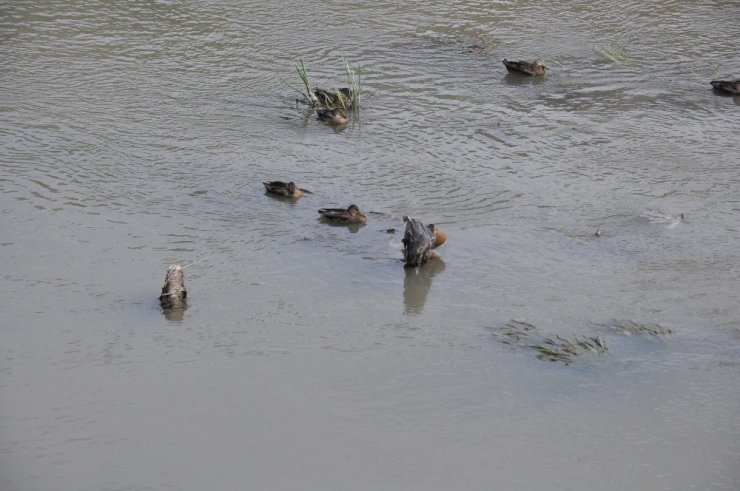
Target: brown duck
{"type": "Point", "coordinates": [537, 67]}
{"type": "Point", "coordinates": [332, 116]}
{"type": "Point", "coordinates": [341, 97]}
{"type": "Point", "coordinates": [419, 242]}
{"type": "Point", "coordinates": [727, 86]}
{"type": "Point", "coordinates": [288, 189]}
{"type": "Point", "coordinates": [339, 215]}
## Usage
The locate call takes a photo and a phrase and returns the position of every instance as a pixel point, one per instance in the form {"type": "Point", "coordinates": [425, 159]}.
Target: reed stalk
{"type": "Point", "coordinates": [302, 70]}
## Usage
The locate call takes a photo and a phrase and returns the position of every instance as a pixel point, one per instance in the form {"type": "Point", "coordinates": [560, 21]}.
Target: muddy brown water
{"type": "Point", "coordinates": [137, 134]}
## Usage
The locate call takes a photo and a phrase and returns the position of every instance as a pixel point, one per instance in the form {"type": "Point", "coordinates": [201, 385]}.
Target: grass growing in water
{"type": "Point", "coordinates": [627, 327]}
{"type": "Point", "coordinates": [302, 70]}
{"type": "Point", "coordinates": [354, 81]}
{"type": "Point", "coordinates": [566, 350]}
{"type": "Point", "coordinates": [520, 334]}
{"type": "Point", "coordinates": [333, 98]}
{"type": "Point", "coordinates": [613, 52]}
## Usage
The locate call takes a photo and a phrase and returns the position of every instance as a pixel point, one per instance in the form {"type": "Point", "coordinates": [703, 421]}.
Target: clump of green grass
{"type": "Point", "coordinates": [333, 98]}
{"type": "Point", "coordinates": [613, 52]}
{"type": "Point", "coordinates": [302, 70]}
{"type": "Point", "coordinates": [354, 81]}
{"type": "Point", "coordinates": [518, 334]}
{"type": "Point", "coordinates": [627, 327]}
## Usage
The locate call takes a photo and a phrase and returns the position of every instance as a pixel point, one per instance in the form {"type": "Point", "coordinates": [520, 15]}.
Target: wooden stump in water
{"type": "Point", "coordinates": [174, 295]}
{"type": "Point", "coordinates": [419, 242]}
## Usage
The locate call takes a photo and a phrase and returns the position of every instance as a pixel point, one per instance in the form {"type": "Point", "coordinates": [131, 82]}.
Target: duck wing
{"type": "Point", "coordinates": [520, 66]}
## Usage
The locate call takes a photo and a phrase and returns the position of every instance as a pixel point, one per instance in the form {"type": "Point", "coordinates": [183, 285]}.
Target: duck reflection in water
{"type": "Point", "coordinates": [418, 282]}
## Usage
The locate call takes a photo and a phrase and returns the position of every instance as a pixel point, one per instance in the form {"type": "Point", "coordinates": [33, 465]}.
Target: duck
{"type": "Point", "coordinates": [332, 116]}
{"type": "Point", "coordinates": [341, 97]}
{"type": "Point", "coordinates": [727, 86]}
{"type": "Point", "coordinates": [439, 236]}
{"type": "Point", "coordinates": [537, 67]}
{"type": "Point", "coordinates": [419, 242]}
{"type": "Point", "coordinates": [174, 294]}
{"type": "Point", "coordinates": [288, 189]}
{"type": "Point", "coordinates": [339, 215]}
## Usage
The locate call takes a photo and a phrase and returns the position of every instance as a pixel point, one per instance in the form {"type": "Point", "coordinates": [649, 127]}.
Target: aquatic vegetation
{"type": "Point", "coordinates": [354, 80]}
{"type": "Point", "coordinates": [566, 350]}
{"type": "Point", "coordinates": [613, 52]}
{"type": "Point", "coordinates": [627, 327]}
{"type": "Point", "coordinates": [479, 43]}
{"type": "Point", "coordinates": [345, 98]}
{"type": "Point", "coordinates": [518, 334]}
{"type": "Point", "coordinates": [302, 70]}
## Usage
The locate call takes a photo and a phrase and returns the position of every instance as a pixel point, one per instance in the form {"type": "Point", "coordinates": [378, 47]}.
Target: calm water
{"type": "Point", "coordinates": [137, 134]}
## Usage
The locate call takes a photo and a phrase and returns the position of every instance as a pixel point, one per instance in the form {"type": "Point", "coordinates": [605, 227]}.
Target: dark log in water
{"type": "Point", "coordinates": [419, 242]}
{"type": "Point", "coordinates": [174, 295]}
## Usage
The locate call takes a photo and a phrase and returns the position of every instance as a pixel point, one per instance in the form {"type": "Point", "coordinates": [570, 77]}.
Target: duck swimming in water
{"type": "Point", "coordinates": [727, 86]}
{"type": "Point", "coordinates": [332, 116]}
{"type": "Point", "coordinates": [339, 215]}
{"type": "Point", "coordinates": [288, 189]}
{"type": "Point", "coordinates": [174, 294]}
{"type": "Point", "coordinates": [439, 236]}
{"type": "Point", "coordinates": [341, 97]}
{"type": "Point", "coordinates": [419, 242]}
{"type": "Point", "coordinates": [537, 67]}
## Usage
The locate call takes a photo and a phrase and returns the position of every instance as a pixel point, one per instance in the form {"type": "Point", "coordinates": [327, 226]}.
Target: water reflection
{"type": "Point", "coordinates": [176, 314]}
{"type": "Point", "coordinates": [521, 79]}
{"type": "Point", "coordinates": [417, 283]}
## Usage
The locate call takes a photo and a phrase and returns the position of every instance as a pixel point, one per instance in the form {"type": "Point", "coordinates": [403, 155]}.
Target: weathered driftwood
{"type": "Point", "coordinates": [419, 242]}
{"type": "Point", "coordinates": [174, 295]}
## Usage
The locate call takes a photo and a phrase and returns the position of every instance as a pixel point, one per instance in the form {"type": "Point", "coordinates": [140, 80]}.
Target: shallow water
{"type": "Point", "coordinates": [137, 134]}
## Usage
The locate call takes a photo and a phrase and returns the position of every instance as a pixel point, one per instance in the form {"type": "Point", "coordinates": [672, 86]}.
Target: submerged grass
{"type": "Point", "coordinates": [518, 334]}
{"type": "Point", "coordinates": [613, 52]}
{"type": "Point", "coordinates": [567, 350]}
{"type": "Point", "coordinates": [628, 327]}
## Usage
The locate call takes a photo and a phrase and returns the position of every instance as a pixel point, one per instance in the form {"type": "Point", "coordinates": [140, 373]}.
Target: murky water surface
{"type": "Point", "coordinates": [137, 134]}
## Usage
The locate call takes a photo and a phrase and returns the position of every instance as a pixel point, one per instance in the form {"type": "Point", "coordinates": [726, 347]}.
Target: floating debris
{"type": "Point", "coordinates": [518, 334]}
